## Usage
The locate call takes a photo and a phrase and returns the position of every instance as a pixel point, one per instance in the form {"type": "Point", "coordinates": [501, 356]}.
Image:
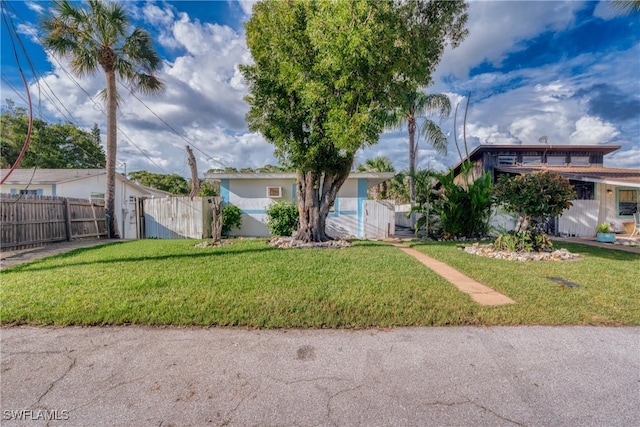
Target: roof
{"type": "Point", "coordinates": [613, 176]}
{"type": "Point", "coordinates": [60, 176]}
{"type": "Point", "coordinates": [49, 176]}
{"type": "Point", "coordinates": [373, 178]}
{"type": "Point", "coordinates": [549, 148]}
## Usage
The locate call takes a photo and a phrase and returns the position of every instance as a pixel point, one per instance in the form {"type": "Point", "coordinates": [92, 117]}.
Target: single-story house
{"type": "Point", "coordinates": [83, 184]}
{"type": "Point", "coordinates": [350, 215]}
{"type": "Point", "coordinates": [604, 194]}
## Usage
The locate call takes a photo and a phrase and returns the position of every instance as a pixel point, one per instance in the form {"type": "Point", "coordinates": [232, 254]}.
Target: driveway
{"type": "Point", "coordinates": [476, 376]}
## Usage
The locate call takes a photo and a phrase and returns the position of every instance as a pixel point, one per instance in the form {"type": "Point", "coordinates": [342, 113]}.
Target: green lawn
{"type": "Point", "coordinates": [170, 282]}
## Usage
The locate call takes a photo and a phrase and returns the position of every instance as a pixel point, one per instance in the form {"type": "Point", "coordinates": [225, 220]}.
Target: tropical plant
{"type": "Point", "coordinates": [627, 7]}
{"type": "Point", "coordinates": [324, 73]}
{"type": "Point", "coordinates": [231, 218]}
{"type": "Point", "coordinates": [414, 105]}
{"type": "Point", "coordinates": [465, 207]}
{"type": "Point", "coordinates": [282, 218]}
{"type": "Point", "coordinates": [427, 198]}
{"type": "Point", "coordinates": [377, 164]}
{"type": "Point", "coordinates": [523, 241]}
{"type": "Point", "coordinates": [100, 37]}
{"type": "Point", "coordinates": [605, 227]}
{"type": "Point", "coordinates": [534, 198]}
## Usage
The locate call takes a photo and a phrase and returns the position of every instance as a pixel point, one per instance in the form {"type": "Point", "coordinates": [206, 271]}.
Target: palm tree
{"type": "Point", "coordinates": [627, 7]}
{"type": "Point", "coordinates": [419, 104]}
{"type": "Point", "coordinates": [378, 164]}
{"type": "Point", "coordinates": [101, 37]}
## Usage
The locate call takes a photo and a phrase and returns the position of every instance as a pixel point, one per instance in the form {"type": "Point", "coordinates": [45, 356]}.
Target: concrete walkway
{"type": "Point", "coordinates": [480, 293]}
{"type": "Point", "coordinates": [463, 376]}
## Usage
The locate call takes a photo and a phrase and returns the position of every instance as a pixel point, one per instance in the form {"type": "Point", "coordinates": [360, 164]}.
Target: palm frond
{"type": "Point", "coordinates": [432, 133]}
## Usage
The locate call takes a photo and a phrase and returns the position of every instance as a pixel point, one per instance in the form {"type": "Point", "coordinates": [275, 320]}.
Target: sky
{"type": "Point", "coordinates": [567, 70]}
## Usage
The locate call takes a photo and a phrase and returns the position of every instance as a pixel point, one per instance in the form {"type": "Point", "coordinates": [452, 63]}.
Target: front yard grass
{"type": "Point", "coordinates": [372, 284]}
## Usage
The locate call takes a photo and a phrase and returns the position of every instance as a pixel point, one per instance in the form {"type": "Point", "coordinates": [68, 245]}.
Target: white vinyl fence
{"type": "Point", "coordinates": [403, 219]}
{"type": "Point", "coordinates": [177, 218]}
{"type": "Point", "coordinates": [579, 220]}
{"type": "Point", "coordinates": [379, 219]}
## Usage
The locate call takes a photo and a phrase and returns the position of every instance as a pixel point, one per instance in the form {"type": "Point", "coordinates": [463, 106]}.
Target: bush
{"type": "Point", "coordinates": [523, 241]}
{"type": "Point", "coordinates": [231, 218]}
{"type": "Point", "coordinates": [209, 189]}
{"type": "Point", "coordinates": [282, 218]}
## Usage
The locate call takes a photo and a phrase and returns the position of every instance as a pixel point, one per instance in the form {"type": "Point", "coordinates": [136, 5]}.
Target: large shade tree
{"type": "Point", "coordinates": [51, 146]}
{"type": "Point", "coordinates": [325, 72]}
{"type": "Point", "coordinates": [415, 105]}
{"type": "Point", "coordinates": [100, 36]}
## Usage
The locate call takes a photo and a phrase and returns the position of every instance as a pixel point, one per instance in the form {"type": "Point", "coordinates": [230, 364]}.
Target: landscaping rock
{"type": "Point", "coordinates": [490, 252]}
{"type": "Point", "coordinates": [290, 242]}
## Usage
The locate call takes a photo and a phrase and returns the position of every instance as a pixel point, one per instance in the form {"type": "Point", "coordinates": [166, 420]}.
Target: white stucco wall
{"type": "Point", "coordinates": [250, 195]}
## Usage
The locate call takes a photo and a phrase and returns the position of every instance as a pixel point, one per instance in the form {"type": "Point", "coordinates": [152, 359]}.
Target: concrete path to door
{"type": "Point", "coordinates": [480, 293]}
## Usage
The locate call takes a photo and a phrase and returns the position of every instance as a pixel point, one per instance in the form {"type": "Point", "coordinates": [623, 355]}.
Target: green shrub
{"type": "Point", "coordinates": [523, 241]}
{"type": "Point", "coordinates": [208, 189]}
{"type": "Point", "coordinates": [282, 218]}
{"type": "Point", "coordinates": [231, 218]}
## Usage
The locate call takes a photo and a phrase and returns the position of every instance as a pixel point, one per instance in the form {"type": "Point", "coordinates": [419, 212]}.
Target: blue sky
{"type": "Point", "coordinates": [567, 70]}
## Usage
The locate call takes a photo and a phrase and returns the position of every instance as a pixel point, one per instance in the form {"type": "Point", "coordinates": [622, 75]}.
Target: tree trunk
{"type": "Point", "coordinates": [216, 223]}
{"type": "Point", "coordinates": [411, 127]}
{"type": "Point", "coordinates": [195, 181]}
{"type": "Point", "coordinates": [522, 223]}
{"type": "Point", "coordinates": [316, 192]}
{"type": "Point", "coordinates": [112, 145]}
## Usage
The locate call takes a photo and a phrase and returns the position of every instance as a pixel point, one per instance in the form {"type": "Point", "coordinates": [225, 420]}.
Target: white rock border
{"type": "Point", "coordinates": [291, 243]}
{"type": "Point", "coordinates": [489, 251]}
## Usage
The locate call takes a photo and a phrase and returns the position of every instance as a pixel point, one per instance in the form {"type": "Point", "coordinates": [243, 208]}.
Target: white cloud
{"type": "Point", "coordinates": [499, 27]}
{"type": "Point", "coordinates": [592, 130]}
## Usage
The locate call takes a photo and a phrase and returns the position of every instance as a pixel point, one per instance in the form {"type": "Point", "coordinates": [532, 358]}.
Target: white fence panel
{"type": "Point", "coordinates": [379, 219]}
{"type": "Point", "coordinates": [580, 220]}
{"type": "Point", "coordinates": [177, 218]}
{"type": "Point", "coordinates": [403, 219]}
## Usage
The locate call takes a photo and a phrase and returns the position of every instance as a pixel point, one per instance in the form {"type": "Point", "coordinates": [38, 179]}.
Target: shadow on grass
{"type": "Point", "coordinates": [33, 266]}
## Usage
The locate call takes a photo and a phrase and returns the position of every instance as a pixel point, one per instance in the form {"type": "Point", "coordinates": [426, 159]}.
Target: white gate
{"type": "Point", "coordinates": [177, 218]}
{"type": "Point", "coordinates": [379, 219]}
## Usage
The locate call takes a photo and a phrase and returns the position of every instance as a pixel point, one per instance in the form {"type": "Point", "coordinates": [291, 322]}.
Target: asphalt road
{"type": "Point", "coordinates": [462, 376]}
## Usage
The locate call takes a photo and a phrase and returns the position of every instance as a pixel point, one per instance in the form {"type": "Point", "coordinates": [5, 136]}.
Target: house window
{"type": "Point", "coordinates": [556, 160]}
{"type": "Point", "coordinates": [274, 192]}
{"type": "Point", "coordinates": [506, 160]}
{"type": "Point", "coordinates": [531, 160]}
{"type": "Point", "coordinates": [584, 190]}
{"type": "Point", "coordinates": [97, 196]}
{"type": "Point", "coordinates": [580, 161]}
{"type": "Point", "coordinates": [34, 192]}
{"type": "Point", "coordinates": [627, 202]}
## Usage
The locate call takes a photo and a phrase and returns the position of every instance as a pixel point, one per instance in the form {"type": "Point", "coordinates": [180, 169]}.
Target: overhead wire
{"type": "Point", "coordinates": [99, 108]}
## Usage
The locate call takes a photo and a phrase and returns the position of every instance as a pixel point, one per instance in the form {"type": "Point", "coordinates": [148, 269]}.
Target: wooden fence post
{"type": "Point", "coordinates": [67, 218]}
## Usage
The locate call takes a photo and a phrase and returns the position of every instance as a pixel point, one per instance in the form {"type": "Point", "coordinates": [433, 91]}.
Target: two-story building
{"type": "Point", "coordinates": [603, 194]}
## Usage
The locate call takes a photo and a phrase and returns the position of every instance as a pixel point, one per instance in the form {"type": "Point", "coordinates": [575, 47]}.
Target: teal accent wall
{"type": "Point", "coordinates": [224, 190]}
{"type": "Point", "coordinates": [362, 196]}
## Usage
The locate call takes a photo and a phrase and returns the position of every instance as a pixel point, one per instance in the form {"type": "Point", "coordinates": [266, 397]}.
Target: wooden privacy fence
{"type": "Point", "coordinates": [29, 220]}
